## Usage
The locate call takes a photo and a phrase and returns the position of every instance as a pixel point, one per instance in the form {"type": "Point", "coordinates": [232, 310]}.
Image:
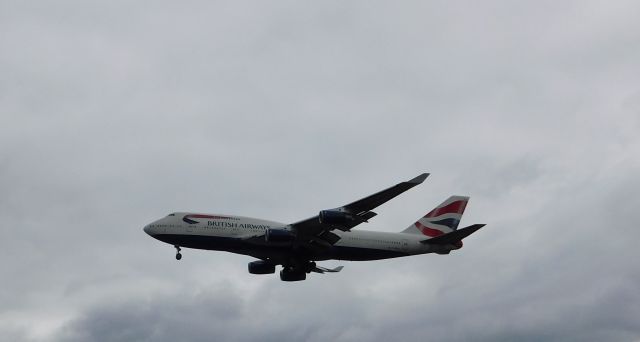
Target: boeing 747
{"type": "Point", "coordinates": [328, 235]}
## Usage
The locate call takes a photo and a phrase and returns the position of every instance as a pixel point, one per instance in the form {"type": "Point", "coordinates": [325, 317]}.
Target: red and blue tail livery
{"type": "Point", "coordinates": [442, 219]}
{"type": "Point", "coordinates": [329, 235]}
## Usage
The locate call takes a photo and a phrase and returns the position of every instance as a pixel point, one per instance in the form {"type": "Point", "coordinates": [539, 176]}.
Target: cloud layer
{"type": "Point", "coordinates": [115, 114]}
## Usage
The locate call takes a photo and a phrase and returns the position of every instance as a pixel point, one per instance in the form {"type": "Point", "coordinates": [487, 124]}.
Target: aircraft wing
{"type": "Point", "coordinates": [358, 211]}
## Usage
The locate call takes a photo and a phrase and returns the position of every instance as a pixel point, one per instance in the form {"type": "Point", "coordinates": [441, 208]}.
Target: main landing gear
{"type": "Point", "coordinates": [178, 255]}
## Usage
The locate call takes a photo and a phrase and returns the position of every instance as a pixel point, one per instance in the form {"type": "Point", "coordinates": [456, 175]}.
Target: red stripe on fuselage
{"type": "Point", "coordinates": [456, 207]}
{"type": "Point", "coordinates": [209, 217]}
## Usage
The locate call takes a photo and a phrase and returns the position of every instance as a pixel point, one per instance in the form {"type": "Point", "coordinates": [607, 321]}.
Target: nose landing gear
{"type": "Point", "coordinates": [178, 255]}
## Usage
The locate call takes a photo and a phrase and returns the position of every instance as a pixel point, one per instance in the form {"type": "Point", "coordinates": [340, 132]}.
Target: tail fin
{"type": "Point", "coordinates": [442, 219]}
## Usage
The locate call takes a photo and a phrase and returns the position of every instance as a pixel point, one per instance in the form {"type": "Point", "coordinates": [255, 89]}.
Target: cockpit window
{"type": "Point", "coordinates": [174, 214]}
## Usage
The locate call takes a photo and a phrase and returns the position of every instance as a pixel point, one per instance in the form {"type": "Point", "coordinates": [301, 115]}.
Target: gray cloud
{"type": "Point", "coordinates": [114, 114]}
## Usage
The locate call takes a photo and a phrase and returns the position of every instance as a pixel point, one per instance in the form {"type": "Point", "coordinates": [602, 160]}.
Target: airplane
{"type": "Point", "coordinates": [329, 235]}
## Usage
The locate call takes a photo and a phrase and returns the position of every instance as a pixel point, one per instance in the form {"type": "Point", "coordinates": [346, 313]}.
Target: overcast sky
{"type": "Point", "coordinates": [116, 113]}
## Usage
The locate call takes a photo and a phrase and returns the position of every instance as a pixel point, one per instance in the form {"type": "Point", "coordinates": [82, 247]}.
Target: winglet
{"type": "Point", "coordinates": [419, 179]}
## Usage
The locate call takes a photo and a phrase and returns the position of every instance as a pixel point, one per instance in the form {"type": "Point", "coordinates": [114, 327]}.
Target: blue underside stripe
{"type": "Point", "coordinates": [242, 247]}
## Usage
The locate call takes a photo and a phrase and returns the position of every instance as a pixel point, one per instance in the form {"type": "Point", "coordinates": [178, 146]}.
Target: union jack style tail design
{"type": "Point", "coordinates": [441, 220]}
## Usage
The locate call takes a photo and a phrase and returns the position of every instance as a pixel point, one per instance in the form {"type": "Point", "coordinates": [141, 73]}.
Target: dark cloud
{"type": "Point", "coordinates": [197, 315]}
{"type": "Point", "coordinates": [114, 114]}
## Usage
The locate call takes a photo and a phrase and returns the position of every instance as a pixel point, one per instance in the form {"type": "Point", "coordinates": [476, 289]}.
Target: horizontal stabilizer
{"type": "Point", "coordinates": [454, 236]}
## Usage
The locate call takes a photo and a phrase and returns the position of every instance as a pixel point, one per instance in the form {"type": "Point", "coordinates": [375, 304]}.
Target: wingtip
{"type": "Point", "coordinates": [419, 179]}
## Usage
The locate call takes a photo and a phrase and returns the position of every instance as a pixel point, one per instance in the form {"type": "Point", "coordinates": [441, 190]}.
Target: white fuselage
{"type": "Point", "coordinates": [246, 235]}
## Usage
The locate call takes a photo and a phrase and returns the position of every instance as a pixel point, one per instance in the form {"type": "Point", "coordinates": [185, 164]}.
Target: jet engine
{"type": "Point", "coordinates": [335, 217]}
{"type": "Point", "coordinates": [292, 275]}
{"type": "Point", "coordinates": [261, 267]}
{"type": "Point", "coordinates": [279, 235]}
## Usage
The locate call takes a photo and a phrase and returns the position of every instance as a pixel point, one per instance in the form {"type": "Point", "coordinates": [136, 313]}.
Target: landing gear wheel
{"type": "Point", "coordinates": [178, 255]}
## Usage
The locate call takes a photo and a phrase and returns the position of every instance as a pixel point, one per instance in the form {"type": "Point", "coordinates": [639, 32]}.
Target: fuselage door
{"type": "Point", "coordinates": [405, 245]}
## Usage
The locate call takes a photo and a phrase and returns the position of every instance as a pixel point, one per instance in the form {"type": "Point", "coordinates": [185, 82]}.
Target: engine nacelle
{"type": "Point", "coordinates": [291, 275]}
{"type": "Point", "coordinates": [335, 217]}
{"type": "Point", "coordinates": [261, 267]}
{"type": "Point", "coordinates": [279, 235]}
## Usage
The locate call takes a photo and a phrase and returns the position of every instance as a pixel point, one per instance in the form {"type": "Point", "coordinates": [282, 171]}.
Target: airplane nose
{"type": "Point", "coordinates": [147, 229]}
